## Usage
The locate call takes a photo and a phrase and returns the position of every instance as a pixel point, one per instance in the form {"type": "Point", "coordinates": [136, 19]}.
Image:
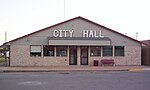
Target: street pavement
{"type": "Point", "coordinates": [112, 80]}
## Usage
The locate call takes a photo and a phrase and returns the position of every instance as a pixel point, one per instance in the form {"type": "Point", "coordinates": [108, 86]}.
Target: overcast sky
{"type": "Point", "coordinates": [21, 17]}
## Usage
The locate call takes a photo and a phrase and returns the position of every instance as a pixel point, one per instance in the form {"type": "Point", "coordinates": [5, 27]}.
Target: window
{"type": "Point", "coordinates": [35, 51]}
{"type": "Point", "coordinates": [119, 50]}
{"type": "Point", "coordinates": [61, 51]}
{"type": "Point", "coordinates": [95, 51]}
{"type": "Point", "coordinates": [48, 50]}
{"type": "Point", "coordinates": [107, 51]}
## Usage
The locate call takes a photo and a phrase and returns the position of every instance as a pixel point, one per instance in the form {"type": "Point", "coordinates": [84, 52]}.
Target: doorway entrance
{"type": "Point", "coordinates": [84, 55]}
{"type": "Point", "coordinates": [73, 56]}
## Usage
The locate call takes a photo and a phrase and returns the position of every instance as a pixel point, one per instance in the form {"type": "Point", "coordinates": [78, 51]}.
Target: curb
{"type": "Point", "coordinates": [61, 70]}
{"type": "Point", "coordinates": [147, 69]}
{"type": "Point", "coordinates": [73, 69]}
{"type": "Point", "coordinates": [135, 70]}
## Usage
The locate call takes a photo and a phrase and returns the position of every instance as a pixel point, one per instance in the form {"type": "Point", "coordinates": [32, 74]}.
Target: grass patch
{"type": "Point", "coordinates": [2, 59]}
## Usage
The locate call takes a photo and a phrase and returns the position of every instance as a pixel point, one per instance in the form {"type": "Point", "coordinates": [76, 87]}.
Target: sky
{"type": "Point", "coordinates": [21, 17]}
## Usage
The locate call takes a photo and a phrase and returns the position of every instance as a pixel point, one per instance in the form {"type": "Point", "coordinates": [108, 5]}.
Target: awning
{"type": "Point", "coordinates": [79, 41]}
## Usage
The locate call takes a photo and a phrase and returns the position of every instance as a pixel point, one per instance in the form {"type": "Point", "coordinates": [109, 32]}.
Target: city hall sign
{"type": "Point", "coordinates": [85, 33]}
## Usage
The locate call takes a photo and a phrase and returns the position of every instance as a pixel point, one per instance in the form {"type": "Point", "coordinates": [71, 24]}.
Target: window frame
{"type": "Point", "coordinates": [105, 53]}
{"type": "Point", "coordinates": [116, 52]}
{"type": "Point", "coordinates": [96, 51]}
{"type": "Point", "coordinates": [39, 54]}
{"type": "Point", "coordinates": [48, 48]}
{"type": "Point", "coordinates": [61, 49]}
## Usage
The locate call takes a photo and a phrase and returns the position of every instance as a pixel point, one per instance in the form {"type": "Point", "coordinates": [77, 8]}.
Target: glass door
{"type": "Point", "coordinates": [84, 55]}
{"type": "Point", "coordinates": [73, 56]}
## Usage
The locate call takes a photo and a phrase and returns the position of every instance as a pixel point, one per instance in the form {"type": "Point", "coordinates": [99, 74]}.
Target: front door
{"type": "Point", "coordinates": [73, 56]}
{"type": "Point", "coordinates": [84, 55]}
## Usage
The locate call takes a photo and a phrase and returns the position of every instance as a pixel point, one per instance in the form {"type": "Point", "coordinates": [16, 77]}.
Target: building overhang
{"type": "Point", "coordinates": [79, 41]}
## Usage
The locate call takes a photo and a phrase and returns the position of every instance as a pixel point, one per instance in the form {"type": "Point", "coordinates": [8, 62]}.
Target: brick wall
{"type": "Point", "coordinates": [132, 57]}
{"type": "Point", "coordinates": [20, 56]}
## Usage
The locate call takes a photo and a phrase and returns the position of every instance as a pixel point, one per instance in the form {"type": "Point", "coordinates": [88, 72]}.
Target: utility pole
{"type": "Point", "coordinates": [64, 9]}
{"type": "Point", "coordinates": [5, 49]}
{"type": "Point", "coordinates": [5, 36]}
{"type": "Point", "coordinates": [136, 35]}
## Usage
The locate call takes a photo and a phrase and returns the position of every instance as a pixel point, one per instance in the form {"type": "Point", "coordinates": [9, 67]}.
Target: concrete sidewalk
{"type": "Point", "coordinates": [72, 68]}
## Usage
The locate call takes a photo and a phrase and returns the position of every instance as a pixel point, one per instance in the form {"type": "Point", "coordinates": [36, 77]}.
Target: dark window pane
{"type": "Point", "coordinates": [107, 51]}
{"type": "Point", "coordinates": [35, 53]}
{"type": "Point", "coordinates": [95, 51]}
{"type": "Point", "coordinates": [61, 51]}
{"type": "Point", "coordinates": [48, 50]}
{"type": "Point", "coordinates": [119, 50]}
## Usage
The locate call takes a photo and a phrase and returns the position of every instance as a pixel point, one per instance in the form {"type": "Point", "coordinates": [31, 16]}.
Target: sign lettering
{"type": "Point", "coordinates": [63, 33]}
{"type": "Point", "coordinates": [85, 33]}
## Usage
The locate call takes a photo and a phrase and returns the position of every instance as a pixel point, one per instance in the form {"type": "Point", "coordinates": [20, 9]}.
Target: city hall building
{"type": "Point", "coordinates": [77, 41]}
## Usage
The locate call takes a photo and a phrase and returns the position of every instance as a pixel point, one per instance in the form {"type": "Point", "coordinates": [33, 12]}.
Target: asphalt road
{"type": "Point", "coordinates": [117, 80]}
